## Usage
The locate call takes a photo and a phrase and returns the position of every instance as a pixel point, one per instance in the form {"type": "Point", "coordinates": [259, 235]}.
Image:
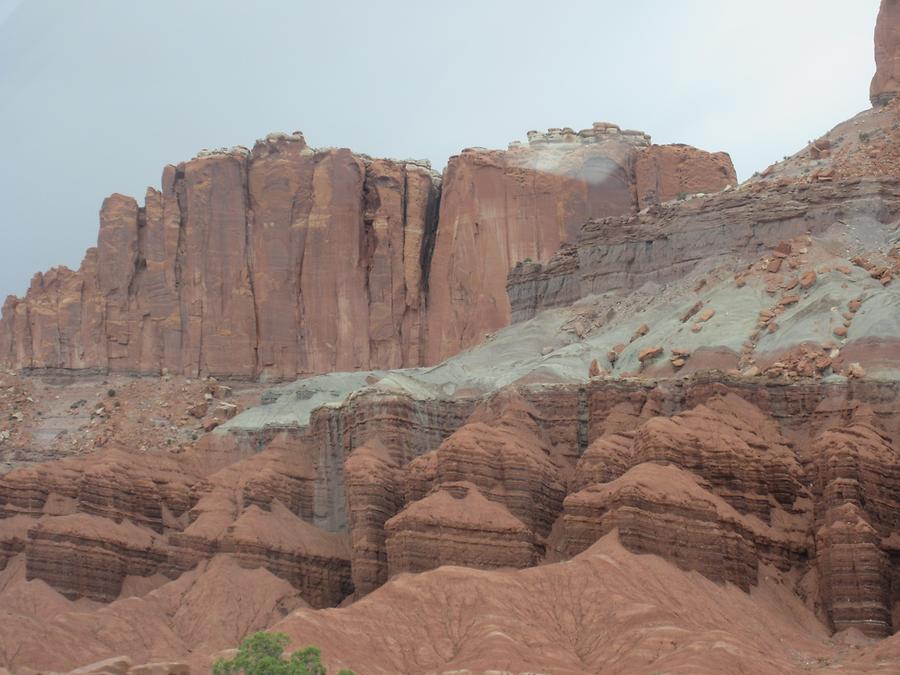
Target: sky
{"type": "Point", "coordinates": [97, 96]}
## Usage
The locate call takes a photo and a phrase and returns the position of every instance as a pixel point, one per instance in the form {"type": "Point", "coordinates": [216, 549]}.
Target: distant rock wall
{"type": "Point", "coordinates": [284, 260]}
{"type": "Point", "coordinates": [276, 262]}
{"type": "Point", "coordinates": [886, 82]}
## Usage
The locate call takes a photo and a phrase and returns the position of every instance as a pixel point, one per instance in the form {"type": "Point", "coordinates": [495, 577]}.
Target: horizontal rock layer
{"type": "Point", "coordinates": [663, 243]}
{"type": "Point", "coordinates": [722, 475]}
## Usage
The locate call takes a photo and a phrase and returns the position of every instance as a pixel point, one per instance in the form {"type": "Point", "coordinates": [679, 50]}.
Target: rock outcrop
{"type": "Point", "coordinates": [857, 487]}
{"type": "Point", "coordinates": [886, 82]}
{"type": "Point", "coordinates": [457, 525]}
{"type": "Point", "coordinates": [284, 260]}
{"type": "Point", "coordinates": [165, 624]}
{"type": "Point", "coordinates": [695, 452]}
{"type": "Point", "coordinates": [662, 510]}
{"type": "Point", "coordinates": [273, 262]}
{"type": "Point", "coordinates": [660, 245]}
{"type": "Point", "coordinates": [374, 494]}
{"type": "Point", "coordinates": [506, 207]}
{"type": "Point", "coordinates": [85, 556]}
{"type": "Point", "coordinates": [504, 452]}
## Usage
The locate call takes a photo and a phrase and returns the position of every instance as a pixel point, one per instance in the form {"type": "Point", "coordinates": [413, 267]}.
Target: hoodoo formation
{"type": "Point", "coordinates": [582, 405]}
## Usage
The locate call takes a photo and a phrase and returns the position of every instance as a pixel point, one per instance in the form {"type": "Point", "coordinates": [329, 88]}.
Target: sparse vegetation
{"type": "Point", "coordinates": [262, 654]}
{"type": "Point", "coordinates": [681, 196]}
{"type": "Point", "coordinates": [864, 136]}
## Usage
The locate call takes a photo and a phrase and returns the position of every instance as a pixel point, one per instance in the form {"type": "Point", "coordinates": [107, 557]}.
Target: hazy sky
{"type": "Point", "coordinates": [96, 96]}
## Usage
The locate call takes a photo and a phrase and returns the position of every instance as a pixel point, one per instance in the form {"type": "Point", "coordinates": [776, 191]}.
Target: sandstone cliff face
{"type": "Point", "coordinates": [886, 82]}
{"type": "Point", "coordinates": [666, 172]}
{"type": "Point", "coordinates": [501, 208]}
{"type": "Point", "coordinates": [272, 262]}
{"type": "Point", "coordinates": [283, 260]}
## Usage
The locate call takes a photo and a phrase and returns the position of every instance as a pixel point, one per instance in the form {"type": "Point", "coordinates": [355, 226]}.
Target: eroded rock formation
{"type": "Point", "coordinates": [886, 82]}
{"type": "Point", "coordinates": [275, 262]}
{"type": "Point", "coordinates": [502, 207]}
{"type": "Point", "coordinates": [457, 525]}
{"type": "Point", "coordinates": [284, 260]}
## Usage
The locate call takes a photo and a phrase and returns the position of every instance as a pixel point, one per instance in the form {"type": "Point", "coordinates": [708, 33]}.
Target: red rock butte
{"type": "Point", "coordinates": [284, 260]}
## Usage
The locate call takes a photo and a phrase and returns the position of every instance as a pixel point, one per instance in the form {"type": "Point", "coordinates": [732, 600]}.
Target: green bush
{"type": "Point", "coordinates": [261, 654]}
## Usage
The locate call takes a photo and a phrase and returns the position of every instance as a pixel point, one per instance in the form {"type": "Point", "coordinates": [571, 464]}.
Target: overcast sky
{"type": "Point", "coordinates": [96, 96]}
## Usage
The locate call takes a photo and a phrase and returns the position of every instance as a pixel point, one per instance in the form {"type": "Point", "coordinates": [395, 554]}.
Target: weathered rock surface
{"type": "Point", "coordinates": [857, 490]}
{"type": "Point", "coordinates": [504, 452]}
{"type": "Point", "coordinates": [86, 556]}
{"type": "Point", "coordinates": [607, 610]}
{"type": "Point", "coordinates": [153, 492]}
{"type": "Point", "coordinates": [283, 260]}
{"type": "Point", "coordinates": [730, 502]}
{"type": "Point", "coordinates": [374, 494]}
{"type": "Point", "coordinates": [662, 510]}
{"type": "Point", "coordinates": [661, 245]}
{"type": "Point", "coordinates": [457, 525]}
{"type": "Point", "coordinates": [511, 206]}
{"type": "Point", "coordinates": [316, 563]}
{"type": "Point", "coordinates": [236, 267]}
{"type": "Point", "coordinates": [666, 172]}
{"type": "Point", "coordinates": [886, 82]}
{"type": "Point", "coordinates": [702, 429]}
{"type": "Point", "coordinates": [190, 619]}
{"type": "Point", "coordinates": [732, 445]}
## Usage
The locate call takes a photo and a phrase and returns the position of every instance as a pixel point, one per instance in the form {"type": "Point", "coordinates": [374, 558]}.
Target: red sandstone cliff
{"type": "Point", "coordinates": [886, 82]}
{"type": "Point", "coordinates": [276, 261]}
{"type": "Point", "coordinates": [502, 207]}
{"type": "Point", "coordinates": [285, 260]}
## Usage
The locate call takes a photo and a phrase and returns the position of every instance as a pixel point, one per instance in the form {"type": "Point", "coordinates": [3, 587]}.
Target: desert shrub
{"type": "Point", "coordinates": [262, 654]}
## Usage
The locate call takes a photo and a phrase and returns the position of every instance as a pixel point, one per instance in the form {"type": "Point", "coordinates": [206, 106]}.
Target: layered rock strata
{"type": "Point", "coordinates": [374, 494]}
{"type": "Point", "coordinates": [457, 525]}
{"type": "Point", "coordinates": [664, 243]}
{"type": "Point", "coordinates": [500, 208]}
{"type": "Point", "coordinates": [89, 557]}
{"type": "Point", "coordinates": [284, 260]}
{"type": "Point", "coordinates": [503, 451]}
{"type": "Point", "coordinates": [708, 471]}
{"type": "Point", "coordinates": [857, 492]}
{"type": "Point", "coordinates": [662, 510]}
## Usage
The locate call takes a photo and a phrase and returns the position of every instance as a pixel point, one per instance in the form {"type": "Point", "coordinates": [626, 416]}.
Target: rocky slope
{"type": "Point", "coordinates": [284, 260]}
